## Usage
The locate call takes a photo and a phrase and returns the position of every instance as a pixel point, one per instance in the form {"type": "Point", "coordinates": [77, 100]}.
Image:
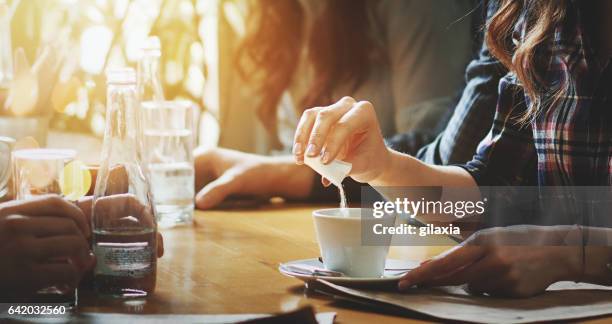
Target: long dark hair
{"type": "Point", "coordinates": [526, 59]}
{"type": "Point", "coordinates": [341, 50]}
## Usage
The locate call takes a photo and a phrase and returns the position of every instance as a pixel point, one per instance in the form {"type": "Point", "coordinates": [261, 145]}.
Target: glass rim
{"type": "Point", "coordinates": [122, 75]}
{"type": "Point", "coordinates": [354, 214]}
{"type": "Point", "coordinates": [45, 154]}
{"type": "Point", "coordinates": [336, 213]}
{"type": "Point", "coordinates": [7, 140]}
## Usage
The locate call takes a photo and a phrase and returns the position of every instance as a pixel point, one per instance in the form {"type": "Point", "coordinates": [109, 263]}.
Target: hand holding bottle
{"type": "Point", "coordinates": [124, 226]}
{"type": "Point", "coordinates": [34, 234]}
{"type": "Point", "coordinates": [121, 204]}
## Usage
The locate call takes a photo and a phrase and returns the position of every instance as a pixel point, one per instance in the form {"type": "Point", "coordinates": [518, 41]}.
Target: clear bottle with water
{"type": "Point", "coordinates": [6, 54]}
{"type": "Point", "coordinates": [168, 139]}
{"type": "Point", "coordinates": [149, 79]}
{"type": "Point", "coordinates": [123, 217]}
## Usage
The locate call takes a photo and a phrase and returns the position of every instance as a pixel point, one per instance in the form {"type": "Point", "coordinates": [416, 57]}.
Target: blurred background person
{"type": "Point", "coordinates": [408, 56]}
{"type": "Point", "coordinates": [296, 54]}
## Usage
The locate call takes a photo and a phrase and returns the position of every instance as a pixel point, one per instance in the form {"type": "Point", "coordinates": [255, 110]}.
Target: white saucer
{"type": "Point", "coordinates": [390, 277]}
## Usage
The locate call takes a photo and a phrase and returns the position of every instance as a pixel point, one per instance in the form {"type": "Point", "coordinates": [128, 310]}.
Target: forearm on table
{"type": "Point", "coordinates": [597, 249]}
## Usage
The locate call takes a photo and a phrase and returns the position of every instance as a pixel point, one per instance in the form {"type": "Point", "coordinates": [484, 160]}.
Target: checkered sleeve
{"type": "Point", "coordinates": [473, 115]}
{"type": "Point", "coordinates": [506, 156]}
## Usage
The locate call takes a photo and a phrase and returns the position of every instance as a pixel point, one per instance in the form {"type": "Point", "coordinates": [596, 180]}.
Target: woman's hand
{"type": "Point", "coordinates": [221, 173]}
{"type": "Point", "coordinates": [517, 261]}
{"type": "Point", "coordinates": [43, 243]}
{"type": "Point", "coordinates": [347, 130]}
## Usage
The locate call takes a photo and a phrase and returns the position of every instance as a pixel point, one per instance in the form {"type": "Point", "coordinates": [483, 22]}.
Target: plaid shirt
{"type": "Point", "coordinates": [472, 117]}
{"type": "Point", "coordinates": [455, 139]}
{"type": "Point", "coordinates": [473, 114]}
{"type": "Point", "coordinates": [570, 142]}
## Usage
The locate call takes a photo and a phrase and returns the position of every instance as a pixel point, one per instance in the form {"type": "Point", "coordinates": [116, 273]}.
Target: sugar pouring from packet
{"type": "Point", "coordinates": [335, 172]}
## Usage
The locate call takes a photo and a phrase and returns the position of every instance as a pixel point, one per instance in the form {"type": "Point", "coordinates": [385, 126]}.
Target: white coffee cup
{"type": "Point", "coordinates": [339, 233]}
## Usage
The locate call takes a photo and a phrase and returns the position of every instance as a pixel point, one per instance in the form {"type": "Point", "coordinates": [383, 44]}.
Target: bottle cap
{"type": "Point", "coordinates": [121, 76]}
{"type": "Point", "coordinates": [335, 171]}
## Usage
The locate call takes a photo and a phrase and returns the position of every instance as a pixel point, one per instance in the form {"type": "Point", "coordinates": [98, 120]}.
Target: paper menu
{"type": "Point", "coordinates": [322, 318]}
{"type": "Point", "coordinates": [562, 301]}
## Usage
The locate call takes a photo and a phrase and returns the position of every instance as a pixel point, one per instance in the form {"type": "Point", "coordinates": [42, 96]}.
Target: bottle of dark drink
{"type": "Point", "coordinates": [124, 223]}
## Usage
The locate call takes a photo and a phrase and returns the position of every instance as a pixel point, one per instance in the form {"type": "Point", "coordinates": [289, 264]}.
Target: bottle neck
{"type": "Point", "coordinates": [149, 80]}
{"type": "Point", "coordinates": [6, 55]}
{"type": "Point", "coordinates": [122, 122]}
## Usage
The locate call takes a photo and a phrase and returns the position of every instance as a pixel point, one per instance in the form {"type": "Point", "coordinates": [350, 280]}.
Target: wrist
{"type": "Point", "coordinates": [572, 266]}
{"type": "Point", "coordinates": [389, 164]}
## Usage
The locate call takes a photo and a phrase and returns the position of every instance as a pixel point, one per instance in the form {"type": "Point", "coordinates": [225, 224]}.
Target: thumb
{"type": "Point", "coordinates": [215, 192]}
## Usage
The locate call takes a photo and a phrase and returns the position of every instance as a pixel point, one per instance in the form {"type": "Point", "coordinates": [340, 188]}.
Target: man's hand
{"type": "Point", "coordinates": [43, 243]}
{"type": "Point", "coordinates": [116, 207]}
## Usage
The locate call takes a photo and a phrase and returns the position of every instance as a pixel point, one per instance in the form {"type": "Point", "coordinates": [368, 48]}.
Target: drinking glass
{"type": "Point", "coordinates": [168, 130]}
{"type": "Point", "coordinates": [39, 172]}
{"type": "Point", "coordinates": [6, 145]}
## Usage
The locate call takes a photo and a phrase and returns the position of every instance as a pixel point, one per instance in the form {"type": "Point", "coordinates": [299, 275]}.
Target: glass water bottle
{"type": "Point", "coordinates": [149, 79]}
{"type": "Point", "coordinates": [6, 49]}
{"type": "Point", "coordinates": [123, 220]}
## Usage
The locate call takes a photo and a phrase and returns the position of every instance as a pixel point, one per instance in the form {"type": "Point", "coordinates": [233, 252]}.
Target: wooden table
{"type": "Point", "coordinates": [227, 263]}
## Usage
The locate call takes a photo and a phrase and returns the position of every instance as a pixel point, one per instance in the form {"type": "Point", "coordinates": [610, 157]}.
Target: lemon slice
{"type": "Point", "coordinates": [75, 180]}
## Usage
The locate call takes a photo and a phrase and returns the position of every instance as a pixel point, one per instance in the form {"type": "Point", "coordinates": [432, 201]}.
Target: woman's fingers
{"type": "Point", "coordinates": [347, 125]}
{"type": "Point", "coordinates": [324, 122]}
{"type": "Point", "coordinates": [216, 191]}
{"type": "Point", "coordinates": [315, 125]}
{"type": "Point", "coordinates": [457, 258]}
{"type": "Point", "coordinates": [471, 274]}
{"type": "Point", "coordinates": [50, 205]}
{"type": "Point", "coordinates": [302, 133]}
